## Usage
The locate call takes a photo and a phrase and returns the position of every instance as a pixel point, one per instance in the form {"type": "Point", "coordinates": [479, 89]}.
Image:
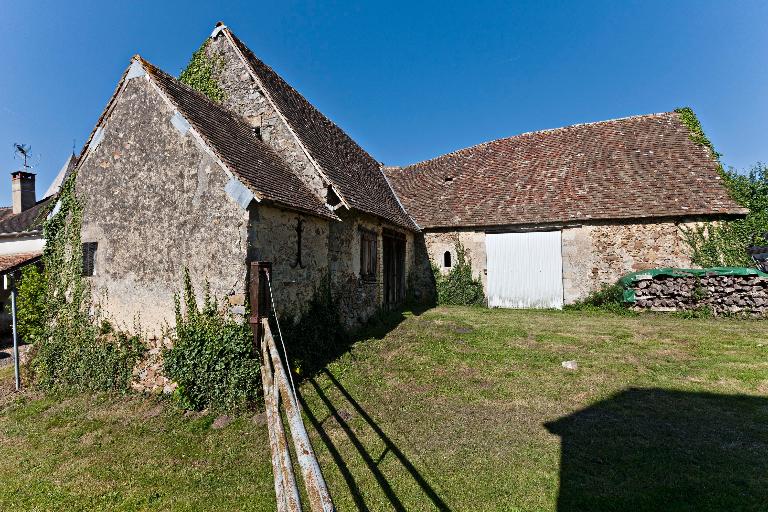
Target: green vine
{"type": "Point", "coordinates": [212, 361]}
{"type": "Point", "coordinates": [459, 287]}
{"type": "Point", "coordinates": [76, 351]}
{"type": "Point", "coordinates": [202, 72]}
{"type": "Point", "coordinates": [689, 119]}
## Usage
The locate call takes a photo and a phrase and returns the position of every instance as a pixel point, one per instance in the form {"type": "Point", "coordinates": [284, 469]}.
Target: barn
{"type": "Point", "coordinates": [548, 217]}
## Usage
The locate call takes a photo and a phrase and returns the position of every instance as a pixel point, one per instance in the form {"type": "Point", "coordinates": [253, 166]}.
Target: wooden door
{"type": "Point", "coordinates": [394, 268]}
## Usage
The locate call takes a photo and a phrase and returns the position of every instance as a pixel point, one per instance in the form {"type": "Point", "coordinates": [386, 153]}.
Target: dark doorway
{"type": "Point", "coordinates": [394, 268]}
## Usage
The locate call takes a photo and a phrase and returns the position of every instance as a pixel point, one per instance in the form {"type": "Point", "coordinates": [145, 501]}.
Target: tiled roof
{"type": "Point", "coordinates": [12, 261]}
{"type": "Point", "coordinates": [631, 168]}
{"type": "Point", "coordinates": [30, 219]}
{"type": "Point", "coordinates": [356, 175]}
{"type": "Point", "coordinates": [234, 142]}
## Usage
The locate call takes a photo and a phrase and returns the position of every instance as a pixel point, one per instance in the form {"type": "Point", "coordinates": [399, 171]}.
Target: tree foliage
{"type": "Point", "coordinates": [30, 304]}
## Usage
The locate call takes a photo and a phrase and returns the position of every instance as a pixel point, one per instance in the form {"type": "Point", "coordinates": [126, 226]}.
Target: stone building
{"type": "Point", "coordinates": [548, 217]}
{"type": "Point", "coordinates": [171, 179]}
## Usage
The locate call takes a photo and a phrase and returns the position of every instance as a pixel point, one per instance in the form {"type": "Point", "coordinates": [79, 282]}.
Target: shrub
{"type": "Point", "coordinates": [458, 287]}
{"type": "Point", "coordinates": [213, 360]}
{"type": "Point", "coordinates": [30, 304]}
{"type": "Point", "coordinates": [610, 297]}
{"type": "Point", "coordinates": [725, 244]}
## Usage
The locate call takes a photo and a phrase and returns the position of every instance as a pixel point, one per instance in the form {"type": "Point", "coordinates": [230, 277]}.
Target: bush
{"type": "Point", "coordinates": [83, 358]}
{"type": "Point", "coordinates": [610, 297]}
{"type": "Point", "coordinates": [458, 287]}
{"type": "Point", "coordinates": [30, 304]}
{"type": "Point", "coordinates": [213, 360]}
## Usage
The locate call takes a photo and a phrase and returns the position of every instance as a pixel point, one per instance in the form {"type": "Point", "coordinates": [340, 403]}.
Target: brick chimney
{"type": "Point", "coordinates": [22, 190]}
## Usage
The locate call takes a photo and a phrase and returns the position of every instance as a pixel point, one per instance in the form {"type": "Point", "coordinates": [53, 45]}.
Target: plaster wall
{"type": "Point", "coordinates": [154, 201]}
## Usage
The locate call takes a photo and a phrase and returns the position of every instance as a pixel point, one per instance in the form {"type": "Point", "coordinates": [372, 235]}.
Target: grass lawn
{"type": "Point", "coordinates": [454, 409]}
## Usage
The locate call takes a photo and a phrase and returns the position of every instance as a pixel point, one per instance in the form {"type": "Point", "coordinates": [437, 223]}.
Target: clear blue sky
{"type": "Point", "coordinates": [408, 81]}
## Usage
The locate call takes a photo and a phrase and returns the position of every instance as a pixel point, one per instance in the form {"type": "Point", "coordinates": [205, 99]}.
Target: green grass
{"type": "Point", "coordinates": [454, 409]}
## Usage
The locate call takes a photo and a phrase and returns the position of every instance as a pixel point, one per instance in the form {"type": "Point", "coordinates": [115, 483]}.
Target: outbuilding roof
{"type": "Point", "coordinates": [356, 176]}
{"type": "Point", "coordinates": [632, 168]}
{"type": "Point", "coordinates": [30, 220]}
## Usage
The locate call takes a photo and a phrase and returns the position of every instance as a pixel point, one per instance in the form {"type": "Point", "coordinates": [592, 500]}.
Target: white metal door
{"type": "Point", "coordinates": [525, 270]}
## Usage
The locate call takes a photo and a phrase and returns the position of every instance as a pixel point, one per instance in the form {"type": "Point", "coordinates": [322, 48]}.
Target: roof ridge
{"type": "Point", "coordinates": [526, 134]}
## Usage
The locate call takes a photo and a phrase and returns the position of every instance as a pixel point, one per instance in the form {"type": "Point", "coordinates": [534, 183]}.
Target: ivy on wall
{"type": "Point", "coordinates": [201, 74]}
{"type": "Point", "coordinates": [75, 350]}
{"type": "Point", "coordinates": [689, 119]}
{"type": "Point", "coordinates": [212, 359]}
{"type": "Point", "coordinates": [458, 287]}
{"type": "Point", "coordinates": [725, 243]}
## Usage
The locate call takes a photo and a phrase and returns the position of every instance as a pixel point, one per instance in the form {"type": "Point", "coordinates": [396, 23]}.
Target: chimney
{"type": "Point", "coordinates": [22, 190]}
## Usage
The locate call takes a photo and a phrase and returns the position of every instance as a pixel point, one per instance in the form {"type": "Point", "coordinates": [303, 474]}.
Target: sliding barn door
{"type": "Point", "coordinates": [525, 270]}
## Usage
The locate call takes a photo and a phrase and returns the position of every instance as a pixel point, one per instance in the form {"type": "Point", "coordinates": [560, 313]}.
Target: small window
{"type": "Point", "coordinates": [368, 255]}
{"type": "Point", "coordinates": [89, 258]}
{"type": "Point", "coordinates": [447, 259]}
{"type": "Point", "coordinates": [257, 132]}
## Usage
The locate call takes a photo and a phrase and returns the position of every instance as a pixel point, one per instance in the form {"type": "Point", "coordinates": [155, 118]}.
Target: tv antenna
{"type": "Point", "coordinates": [24, 150]}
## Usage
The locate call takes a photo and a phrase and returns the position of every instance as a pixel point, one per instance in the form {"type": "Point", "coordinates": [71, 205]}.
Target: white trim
{"type": "Point", "coordinates": [136, 70]}
{"type": "Point", "coordinates": [180, 123]}
{"type": "Point", "coordinates": [241, 194]}
{"type": "Point", "coordinates": [217, 30]}
{"type": "Point", "coordinates": [282, 117]}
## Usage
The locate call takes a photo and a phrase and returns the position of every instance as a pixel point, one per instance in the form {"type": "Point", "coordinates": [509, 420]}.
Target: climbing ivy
{"type": "Point", "coordinates": [31, 302]}
{"type": "Point", "coordinates": [689, 119]}
{"type": "Point", "coordinates": [212, 361]}
{"type": "Point", "coordinates": [75, 350]}
{"type": "Point", "coordinates": [725, 243]}
{"type": "Point", "coordinates": [459, 287]}
{"type": "Point", "coordinates": [201, 74]}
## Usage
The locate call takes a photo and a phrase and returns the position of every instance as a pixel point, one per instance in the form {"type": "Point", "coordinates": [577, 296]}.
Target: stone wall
{"type": "Point", "coordinates": [720, 294]}
{"type": "Point", "coordinates": [273, 237]}
{"type": "Point", "coordinates": [154, 201]}
{"type": "Point", "coordinates": [593, 254]}
{"type": "Point", "coordinates": [359, 299]}
{"type": "Point", "coordinates": [438, 243]}
{"type": "Point", "coordinates": [601, 253]}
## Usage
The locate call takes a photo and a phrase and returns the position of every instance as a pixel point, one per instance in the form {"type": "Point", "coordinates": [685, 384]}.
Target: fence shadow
{"type": "Point", "coordinates": [391, 449]}
{"type": "Point", "coordinates": [654, 449]}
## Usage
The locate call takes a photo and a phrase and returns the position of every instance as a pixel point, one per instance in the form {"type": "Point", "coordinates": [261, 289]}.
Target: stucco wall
{"type": "Point", "coordinates": [593, 254]}
{"type": "Point", "coordinates": [154, 201]}
{"type": "Point", "coordinates": [243, 96]}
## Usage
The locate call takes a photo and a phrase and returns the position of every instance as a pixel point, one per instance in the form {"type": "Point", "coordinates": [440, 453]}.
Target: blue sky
{"type": "Point", "coordinates": [408, 81]}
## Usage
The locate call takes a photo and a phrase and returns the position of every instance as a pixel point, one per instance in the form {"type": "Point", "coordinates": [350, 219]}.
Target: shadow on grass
{"type": "Point", "coordinates": [654, 449]}
{"type": "Point", "coordinates": [313, 344]}
{"type": "Point", "coordinates": [371, 463]}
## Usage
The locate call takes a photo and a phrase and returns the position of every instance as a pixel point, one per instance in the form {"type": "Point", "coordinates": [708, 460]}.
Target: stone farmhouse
{"type": "Point", "coordinates": [171, 179]}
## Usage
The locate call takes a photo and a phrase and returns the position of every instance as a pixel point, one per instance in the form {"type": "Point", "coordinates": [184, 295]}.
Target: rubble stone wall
{"type": "Point", "coordinates": [720, 294]}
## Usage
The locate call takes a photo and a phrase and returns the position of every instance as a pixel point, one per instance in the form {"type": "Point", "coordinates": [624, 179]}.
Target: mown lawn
{"type": "Point", "coordinates": [454, 409]}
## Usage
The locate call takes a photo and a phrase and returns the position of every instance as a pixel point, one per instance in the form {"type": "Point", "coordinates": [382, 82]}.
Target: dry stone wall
{"type": "Point", "coordinates": [720, 294]}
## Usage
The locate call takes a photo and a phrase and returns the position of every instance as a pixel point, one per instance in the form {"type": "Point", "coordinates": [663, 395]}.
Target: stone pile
{"type": "Point", "coordinates": [721, 294]}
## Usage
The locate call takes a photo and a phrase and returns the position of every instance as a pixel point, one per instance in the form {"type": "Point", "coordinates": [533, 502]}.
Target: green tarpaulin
{"type": "Point", "coordinates": [629, 280]}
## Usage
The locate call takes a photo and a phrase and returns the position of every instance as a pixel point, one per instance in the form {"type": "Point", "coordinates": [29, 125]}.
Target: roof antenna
{"type": "Point", "coordinates": [22, 150]}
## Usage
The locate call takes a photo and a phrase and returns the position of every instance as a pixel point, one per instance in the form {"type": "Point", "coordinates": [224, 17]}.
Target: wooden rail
{"type": "Point", "coordinates": [278, 390]}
